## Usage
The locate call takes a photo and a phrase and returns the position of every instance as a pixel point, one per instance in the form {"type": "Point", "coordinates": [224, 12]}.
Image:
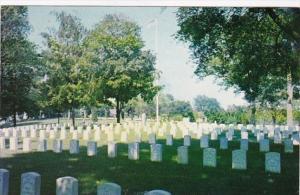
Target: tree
{"type": "Point", "coordinates": [19, 63]}
{"type": "Point", "coordinates": [206, 104]}
{"type": "Point", "coordinates": [67, 83]}
{"type": "Point", "coordinates": [244, 47]}
{"type": "Point", "coordinates": [182, 108]}
{"type": "Point", "coordinates": [115, 52]}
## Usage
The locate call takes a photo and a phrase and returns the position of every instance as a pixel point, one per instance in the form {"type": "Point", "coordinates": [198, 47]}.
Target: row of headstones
{"type": "Point", "coordinates": [239, 159]}
{"type": "Point", "coordinates": [264, 145]}
{"type": "Point", "coordinates": [31, 184]}
{"type": "Point", "coordinates": [209, 154]}
{"type": "Point", "coordinates": [181, 125]}
{"type": "Point", "coordinates": [214, 132]}
{"type": "Point", "coordinates": [124, 137]}
{"type": "Point", "coordinates": [86, 134]}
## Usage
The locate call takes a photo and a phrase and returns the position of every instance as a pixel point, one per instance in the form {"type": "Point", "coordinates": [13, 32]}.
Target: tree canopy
{"type": "Point", "coordinates": [245, 47]}
{"type": "Point", "coordinates": [115, 52]}
{"type": "Point", "coordinates": [19, 63]}
{"type": "Point", "coordinates": [66, 84]}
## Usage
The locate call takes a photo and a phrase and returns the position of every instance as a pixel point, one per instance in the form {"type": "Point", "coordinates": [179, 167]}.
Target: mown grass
{"type": "Point", "coordinates": [142, 175]}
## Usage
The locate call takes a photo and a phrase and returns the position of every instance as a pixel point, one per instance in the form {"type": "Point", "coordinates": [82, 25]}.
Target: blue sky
{"type": "Point", "coordinates": [173, 57]}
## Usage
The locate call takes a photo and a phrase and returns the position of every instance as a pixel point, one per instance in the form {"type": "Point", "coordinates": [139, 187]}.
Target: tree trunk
{"type": "Point", "coordinates": [118, 110]}
{"type": "Point", "coordinates": [289, 106]}
{"type": "Point", "coordinates": [122, 115]}
{"type": "Point", "coordinates": [15, 119]}
{"type": "Point", "coordinates": [73, 117]}
{"type": "Point", "coordinates": [58, 118]}
{"type": "Point", "coordinates": [84, 115]}
{"type": "Point", "coordinates": [274, 119]}
{"type": "Point", "coordinates": [253, 111]}
{"type": "Point", "coordinates": [122, 112]}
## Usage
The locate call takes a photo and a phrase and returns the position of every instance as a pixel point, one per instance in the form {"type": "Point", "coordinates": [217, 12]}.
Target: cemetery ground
{"type": "Point", "coordinates": [138, 176]}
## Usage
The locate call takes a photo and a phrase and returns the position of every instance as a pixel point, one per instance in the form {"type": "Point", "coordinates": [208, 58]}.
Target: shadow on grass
{"type": "Point", "coordinates": [142, 175]}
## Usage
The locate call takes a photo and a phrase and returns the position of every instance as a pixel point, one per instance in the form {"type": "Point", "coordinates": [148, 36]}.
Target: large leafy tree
{"type": "Point", "coordinates": [245, 47]}
{"type": "Point", "coordinates": [19, 63]}
{"type": "Point", "coordinates": [124, 69]}
{"type": "Point", "coordinates": [67, 83]}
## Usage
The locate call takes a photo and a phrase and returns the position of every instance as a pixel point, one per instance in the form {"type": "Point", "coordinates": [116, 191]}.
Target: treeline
{"type": "Point", "coordinates": [78, 68]}
{"type": "Point", "coordinates": [208, 109]}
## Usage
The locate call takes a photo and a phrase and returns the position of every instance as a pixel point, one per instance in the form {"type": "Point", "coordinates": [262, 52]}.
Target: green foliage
{"type": "Point", "coordinates": [19, 63]}
{"type": "Point", "coordinates": [66, 86]}
{"type": "Point", "coordinates": [115, 51]}
{"type": "Point", "coordinates": [251, 49]}
{"type": "Point", "coordinates": [205, 104]}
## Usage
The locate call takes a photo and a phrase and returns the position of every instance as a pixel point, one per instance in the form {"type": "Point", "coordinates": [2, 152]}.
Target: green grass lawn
{"type": "Point", "coordinates": [142, 175]}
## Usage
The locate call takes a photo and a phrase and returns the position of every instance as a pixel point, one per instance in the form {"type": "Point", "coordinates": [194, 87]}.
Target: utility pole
{"type": "Point", "coordinates": [155, 21]}
{"type": "Point", "coordinates": [156, 48]}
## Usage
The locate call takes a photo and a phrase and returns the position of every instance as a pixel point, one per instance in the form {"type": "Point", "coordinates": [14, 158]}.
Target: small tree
{"type": "Point", "coordinates": [67, 75]}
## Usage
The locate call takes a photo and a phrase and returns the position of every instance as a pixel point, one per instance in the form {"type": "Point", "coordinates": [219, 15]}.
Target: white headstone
{"type": "Point", "coordinates": [204, 141]}
{"type": "Point", "coordinates": [223, 143]}
{"type": "Point", "coordinates": [91, 148]}
{"type": "Point", "coordinates": [109, 189]}
{"type": "Point", "coordinates": [133, 151]}
{"type": "Point", "coordinates": [33, 133]}
{"type": "Point", "coordinates": [2, 143]}
{"type": "Point", "coordinates": [288, 146]}
{"type": "Point", "coordinates": [97, 134]}
{"type": "Point", "coordinates": [57, 146]}
{"type": "Point", "coordinates": [244, 144]}
{"type": "Point", "coordinates": [144, 119]}
{"type": "Point", "coordinates": [169, 141]}
{"type": "Point", "coordinates": [124, 137]}
{"type": "Point", "coordinates": [30, 183]}
{"type": "Point", "coordinates": [156, 152]}
{"type": "Point", "coordinates": [187, 140]}
{"type": "Point", "coordinates": [4, 181]}
{"type": "Point", "coordinates": [157, 192]}
{"type": "Point", "coordinates": [110, 136]}
{"type": "Point", "coordinates": [27, 144]}
{"type": "Point", "coordinates": [260, 136]}
{"type": "Point", "coordinates": [277, 138]}
{"type": "Point", "coordinates": [75, 134]}
{"type": "Point", "coordinates": [86, 135]}
{"type": "Point", "coordinates": [239, 159]}
{"type": "Point", "coordinates": [272, 162]}
{"type": "Point", "coordinates": [264, 145]}
{"type": "Point", "coordinates": [66, 186]}
{"type": "Point", "coordinates": [244, 135]}
{"type": "Point", "coordinates": [214, 135]}
{"type": "Point", "coordinates": [63, 134]}
{"type": "Point", "coordinates": [42, 145]}
{"type": "Point", "coordinates": [52, 134]}
{"type": "Point", "coordinates": [209, 157]}
{"type": "Point", "coordinates": [74, 146]}
{"type": "Point", "coordinates": [229, 136]}
{"type": "Point", "coordinates": [296, 138]}
{"type": "Point", "coordinates": [112, 149]}
{"type": "Point", "coordinates": [182, 155]}
{"type": "Point", "coordinates": [13, 143]}
{"type": "Point", "coordinates": [152, 138]}
{"type": "Point", "coordinates": [42, 134]}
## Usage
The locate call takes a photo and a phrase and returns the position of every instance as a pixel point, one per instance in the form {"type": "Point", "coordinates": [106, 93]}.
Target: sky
{"type": "Point", "coordinates": [173, 57]}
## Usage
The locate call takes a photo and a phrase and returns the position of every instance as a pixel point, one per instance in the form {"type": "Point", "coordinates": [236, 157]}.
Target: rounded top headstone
{"type": "Point", "coordinates": [157, 192]}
